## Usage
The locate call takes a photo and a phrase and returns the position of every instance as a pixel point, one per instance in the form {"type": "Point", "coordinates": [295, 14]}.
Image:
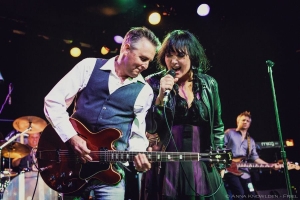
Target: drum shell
{"type": "Point", "coordinates": [24, 184]}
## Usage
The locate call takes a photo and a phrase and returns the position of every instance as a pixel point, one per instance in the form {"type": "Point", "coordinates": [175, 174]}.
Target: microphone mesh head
{"type": "Point", "coordinates": [172, 72]}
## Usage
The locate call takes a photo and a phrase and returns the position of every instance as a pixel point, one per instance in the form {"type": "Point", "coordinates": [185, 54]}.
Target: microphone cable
{"type": "Point", "coordinates": [204, 170]}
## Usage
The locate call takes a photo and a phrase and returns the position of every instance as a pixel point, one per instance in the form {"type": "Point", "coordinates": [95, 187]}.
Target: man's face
{"type": "Point", "coordinates": [138, 56]}
{"type": "Point", "coordinates": [33, 139]}
{"type": "Point", "coordinates": [244, 123]}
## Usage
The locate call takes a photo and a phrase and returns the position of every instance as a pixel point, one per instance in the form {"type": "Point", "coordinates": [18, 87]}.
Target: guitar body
{"type": "Point", "coordinates": [234, 168]}
{"type": "Point", "coordinates": [62, 170]}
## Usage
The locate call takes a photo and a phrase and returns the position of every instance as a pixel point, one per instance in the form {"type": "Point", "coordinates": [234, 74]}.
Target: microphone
{"type": "Point", "coordinates": [167, 92]}
{"type": "Point", "coordinates": [270, 63]}
{"type": "Point", "coordinates": [9, 91]}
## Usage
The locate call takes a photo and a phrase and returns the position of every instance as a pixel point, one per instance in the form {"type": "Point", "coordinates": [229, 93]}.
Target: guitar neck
{"type": "Point", "coordinates": [255, 165]}
{"type": "Point", "coordinates": [157, 156]}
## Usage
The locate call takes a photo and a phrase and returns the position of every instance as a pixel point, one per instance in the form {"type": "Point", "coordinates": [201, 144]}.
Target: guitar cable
{"type": "Point", "coordinates": [33, 152]}
{"type": "Point", "coordinates": [171, 137]}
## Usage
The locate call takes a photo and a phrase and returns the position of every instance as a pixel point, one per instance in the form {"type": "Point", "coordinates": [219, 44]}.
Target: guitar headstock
{"type": "Point", "coordinates": [223, 156]}
{"type": "Point", "coordinates": [291, 165]}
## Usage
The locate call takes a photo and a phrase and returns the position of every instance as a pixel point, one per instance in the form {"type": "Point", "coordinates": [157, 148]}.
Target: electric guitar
{"type": "Point", "coordinates": [237, 163]}
{"type": "Point", "coordinates": [63, 172]}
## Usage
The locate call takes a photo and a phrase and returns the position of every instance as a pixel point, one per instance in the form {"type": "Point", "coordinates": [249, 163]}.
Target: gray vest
{"type": "Point", "coordinates": [97, 109]}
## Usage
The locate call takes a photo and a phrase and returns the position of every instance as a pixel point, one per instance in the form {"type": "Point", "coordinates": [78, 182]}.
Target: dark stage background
{"type": "Point", "coordinates": [239, 36]}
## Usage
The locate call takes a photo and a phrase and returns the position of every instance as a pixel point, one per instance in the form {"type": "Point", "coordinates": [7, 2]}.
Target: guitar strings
{"type": "Point", "coordinates": [114, 156]}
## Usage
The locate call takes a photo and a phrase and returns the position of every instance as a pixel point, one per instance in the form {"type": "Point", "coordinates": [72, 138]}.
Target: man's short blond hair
{"type": "Point", "coordinates": [245, 113]}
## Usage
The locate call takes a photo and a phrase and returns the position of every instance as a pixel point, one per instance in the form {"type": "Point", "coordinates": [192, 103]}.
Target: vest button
{"type": "Point", "coordinates": [104, 108]}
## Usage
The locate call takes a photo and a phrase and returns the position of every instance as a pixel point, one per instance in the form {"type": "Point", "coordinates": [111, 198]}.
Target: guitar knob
{"type": "Point", "coordinates": [62, 175]}
{"type": "Point", "coordinates": [52, 178]}
{"type": "Point", "coordinates": [70, 173]}
{"type": "Point", "coordinates": [70, 184]}
{"type": "Point", "coordinates": [59, 187]}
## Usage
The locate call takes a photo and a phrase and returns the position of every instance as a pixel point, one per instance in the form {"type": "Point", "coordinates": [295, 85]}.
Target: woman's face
{"type": "Point", "coordinates": [180, 62]}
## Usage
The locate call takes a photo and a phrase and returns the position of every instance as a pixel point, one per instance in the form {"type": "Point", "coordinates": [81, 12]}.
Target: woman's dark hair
{"type": "Point", "coordinates": [179, 40]}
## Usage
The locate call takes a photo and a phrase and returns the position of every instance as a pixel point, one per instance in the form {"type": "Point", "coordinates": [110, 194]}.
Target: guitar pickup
{"type": "Point", "coordinates": [49, 155]}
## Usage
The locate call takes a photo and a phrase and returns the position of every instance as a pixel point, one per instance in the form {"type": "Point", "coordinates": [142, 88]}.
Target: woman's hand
{"type": "Point", "coordinates": [166, 83]}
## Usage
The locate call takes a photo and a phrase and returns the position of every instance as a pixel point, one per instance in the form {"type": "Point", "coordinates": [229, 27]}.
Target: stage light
{"type": "Point", "coordinates": [289, 142]}
{"type": "Point", "coordinates": [118, 39]}
{"type": "Point", "coordinates": [19, 32]}
{"type": "Point", "coordinates": [1, 78]}
{"type": "Point", "coordinates": [86, 45]}
{"type": "Point", "coordinates": [203, 10]}
{"type": "Point", "coordinates": [154, 18]}
{"type": "Point", "coordinates": [104, 50]}
{"type": "Point", "coordinates": [75, 52]}
{"type": "Point", "coordinates": [44, 36]}
{"type": "Point", "coordinates": [68, 41]}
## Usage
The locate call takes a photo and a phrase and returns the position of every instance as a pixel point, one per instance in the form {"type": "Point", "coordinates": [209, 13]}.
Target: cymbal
{"type": "Point", "coordinates": [37, 124]}
{"type": "Point", "coordinates": [15, 150]}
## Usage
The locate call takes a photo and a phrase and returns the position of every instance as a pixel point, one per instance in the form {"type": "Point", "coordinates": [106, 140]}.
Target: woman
{"type": "Point", "coordinates": [193, 112]}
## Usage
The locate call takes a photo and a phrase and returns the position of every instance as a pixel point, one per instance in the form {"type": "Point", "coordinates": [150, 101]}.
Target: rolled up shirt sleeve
{"type": "Point", "coordinates": [62, 95]}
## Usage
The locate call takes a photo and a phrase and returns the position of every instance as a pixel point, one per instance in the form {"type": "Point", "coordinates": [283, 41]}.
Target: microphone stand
{"type": "Point", "coordinates": [270, 64]}
{"type": "Point", "coordinates": [6, 99]}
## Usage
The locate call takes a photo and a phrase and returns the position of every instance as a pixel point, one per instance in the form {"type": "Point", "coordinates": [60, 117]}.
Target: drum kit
{"type": "Point", "coordinates": [22, 185]}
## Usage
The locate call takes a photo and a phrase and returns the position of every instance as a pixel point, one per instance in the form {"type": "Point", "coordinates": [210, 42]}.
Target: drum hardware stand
{"type": "Point", "coordinates": [8, 142]}
{"type": "Point", "coordinates": [7, 97]}
{"type": "Point", "coordinates": [11, 140]}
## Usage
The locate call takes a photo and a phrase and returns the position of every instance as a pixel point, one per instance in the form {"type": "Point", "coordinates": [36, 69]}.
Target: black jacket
{"type": "Point", "coordinates": [209, 95]}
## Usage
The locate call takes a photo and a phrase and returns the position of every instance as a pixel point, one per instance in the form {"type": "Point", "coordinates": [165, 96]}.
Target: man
{"type": "Point", "coordinates": [109, 94]}
{"type": "Point", "coordinates": [28, 163]}
{"type": "Point", "coordinates": [238, 140]}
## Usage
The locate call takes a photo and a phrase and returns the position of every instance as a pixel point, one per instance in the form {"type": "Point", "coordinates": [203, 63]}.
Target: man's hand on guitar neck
{"type": "Point", "coordinates": [80, 148]}
{"type": "Point", "coordinates": [141, 162]}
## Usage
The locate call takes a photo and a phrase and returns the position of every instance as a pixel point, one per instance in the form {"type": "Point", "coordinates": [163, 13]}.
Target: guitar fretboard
{"type": "Point", "coordinates": [123, 156]}
{"type": "Point", "coordinates": [255, 165]}
{"type": "Point", "coordinates": [111, 156]}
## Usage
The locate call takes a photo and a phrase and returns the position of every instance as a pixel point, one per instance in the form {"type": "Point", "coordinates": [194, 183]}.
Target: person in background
{"type": "Point", "coordinates": [28, 163]}
{"type": "Point", "coordinates": [242, 146]}
{"type": "Point", "coordinates": [193, 122]}
{"type": "Point", "coordinates": [109, 94]}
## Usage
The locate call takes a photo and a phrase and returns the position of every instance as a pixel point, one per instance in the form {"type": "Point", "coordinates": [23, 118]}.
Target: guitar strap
{"type": "Point", "coordinates": [249, 144]}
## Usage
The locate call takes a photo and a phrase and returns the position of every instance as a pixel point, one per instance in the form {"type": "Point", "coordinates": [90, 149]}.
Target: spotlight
{"type": "Point", "coordinates": [118, 39]}
{"type": "Point", "coordinates": [203, 10]}
{"type": "Point", "coordinates": [104, 50]}
{"type": "Point", "coordinates": [75, 52]}
{"type": "Point", "coordinates": [289, 142]}
{"type": "Point", "coordinates": [154, 18]}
